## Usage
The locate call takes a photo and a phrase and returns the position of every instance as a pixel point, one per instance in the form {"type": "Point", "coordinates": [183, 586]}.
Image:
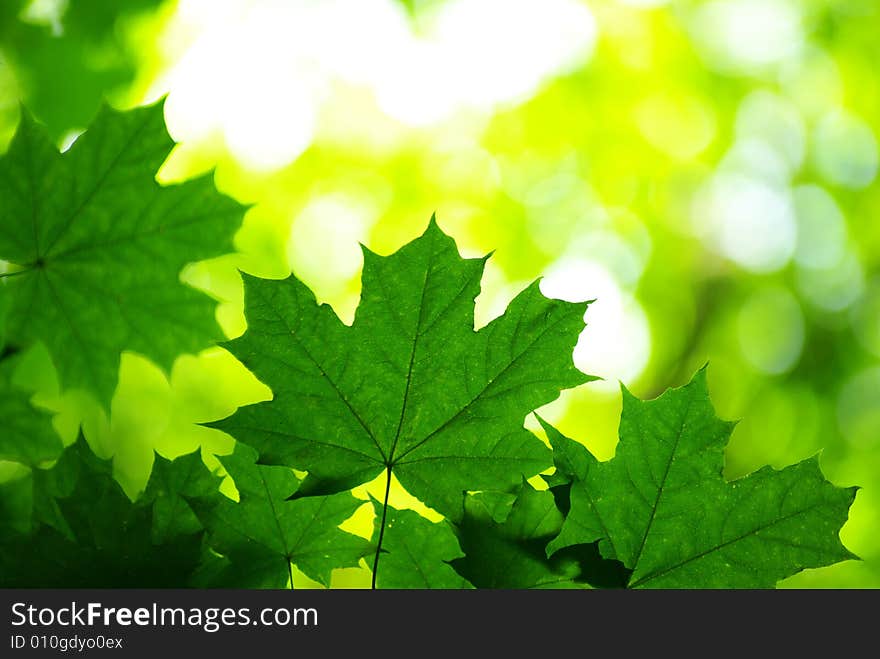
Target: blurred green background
{"type": "Point", "coordinates": [706, 169]}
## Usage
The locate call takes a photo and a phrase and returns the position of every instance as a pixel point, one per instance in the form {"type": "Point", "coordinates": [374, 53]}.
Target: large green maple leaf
{"type": "Point", "coordinates": [662, 507]}
{"type": "Point", "coordinates": [410, 387]}
{"type": "Point", "coordinates": [99, 246]}
{"type": "Point", "coordinates": [262, 534]}
{"type": "Point", "coordinates": [416, 552]}
{"type": "Point", "coordinates": [72, 526]}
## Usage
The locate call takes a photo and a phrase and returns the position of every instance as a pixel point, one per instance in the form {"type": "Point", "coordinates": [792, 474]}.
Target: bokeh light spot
{"type": "Point", "coordinates": [616, 343]}
{"type": "Point", "coordinates": [770, 327]}
{"type": "Point", "coordinates": [747, 35]}
{"type": "Point", "coordinates": [845, 150]}
{"type": "Point", "coordinates": [749, 220]}
{"type": "Point", "coordinates": [773, 120]}
{"type": "Point", "coordinates": [822, 232]}
{"type": "Point", "coordinates": [833, 288]}
{"type": "Point", "coordinates": [858, 408]}
{"type": "Point", "coordinates": [680, 125]}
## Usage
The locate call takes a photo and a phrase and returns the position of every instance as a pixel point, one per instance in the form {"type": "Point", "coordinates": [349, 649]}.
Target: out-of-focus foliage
{"type": "Point", "coordinates": [63, 57]}
{"type": "Point", "coordinates": [72, 526]}
{"type": "Point", "coordinates": [95, 242]}
{"type": "Point", "coordinates": [706, 169]}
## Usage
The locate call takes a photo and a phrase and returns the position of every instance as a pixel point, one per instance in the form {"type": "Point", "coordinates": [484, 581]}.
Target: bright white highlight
{"type": "Point", "coordinates": [323, 248]}
{"type": "Point", "coordinates": [616, 343]}
{"type": "Point", "coordinates": [475, 54]}
{"type": "Point", "coordinates": [644, 4]}
{"type": "Point", "coordinates": [747, 35]}
{"type": "Point", "coordinates": [258, 73]}
{"type": "Point", "coordinates": [749, 220]}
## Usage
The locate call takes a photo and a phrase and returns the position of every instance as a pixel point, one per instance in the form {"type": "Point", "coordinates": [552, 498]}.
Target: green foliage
{"type": "Point", "coordinates": [74, 527]}
{"type": "Point", "coordinates": [64, 70]}
{"type": "Point", "coordinates": [173, 485]}
{"type": "Point", "coordinates": [27, 436]}
{"type": "Point", "coordinates": [410, 390]}
{"type": "Point", "coordinates": [262, 534]}
{"type": "Point", "coordinates": [99, 247]}
{"type": "Point", "coordinates": [4, 308]}
{"type": "Point", "coordinates": [504, 540]}
{"type": "Point", "coordinates": [415, 551]}
{"type": "Point", "coordinates": [662, 507]}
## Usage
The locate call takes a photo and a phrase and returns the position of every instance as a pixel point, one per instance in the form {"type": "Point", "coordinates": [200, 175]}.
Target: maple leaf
{"type": "Point", "coordinates": [262, 534]}
{"type": "Point", "coordinates": [74, 527]}
{"type": "Point", "coordinates": [416, 552]}
{"type": "Point", "coordinates": [410, 387]}
{"type": "Point", "coordinates": [504, 538]}
{"type": "Point", "coordinates": [32, 500]}
{"type": "Point", "coordinates": [172, 485]}
{"type": "Point", "coordinates": [662, 507]}
{"type": "Point", "coordinates": [99, 246]}
{"type": "Point", "coordinates": [26, 433]}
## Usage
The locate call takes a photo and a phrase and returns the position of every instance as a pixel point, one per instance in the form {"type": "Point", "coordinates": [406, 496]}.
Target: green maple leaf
{"type": "Point", "coordinates": [172, 484]}
{"type": "Point", "coordinates": [26, 433]}
{"type": "Point", "coordinates": [31, 501]}
{"type": "Point", "coordinates": [504, 538]}
{"type": "Point", "coordinates": [78, 529]}
{"type": "Point", "coordinates": [416, 552]}
{"type": "Point", "coordinates": [99, 246]}
{"type": "Point", "coordinates": [662, 507]}
{"type": "Point", "coordinates": [264, 532]}
{"type": "Point", "coordinates": [410, 387]}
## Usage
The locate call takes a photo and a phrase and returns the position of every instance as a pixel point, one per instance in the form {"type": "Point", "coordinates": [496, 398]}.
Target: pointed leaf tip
{"type": "Point", "coordinates": [666, 480]}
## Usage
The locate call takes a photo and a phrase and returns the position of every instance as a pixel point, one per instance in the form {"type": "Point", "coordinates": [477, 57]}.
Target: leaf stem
{"type": "Point", "coordinates": [382, 527]}
{"type": "Point", "coordinates": [290, 572]}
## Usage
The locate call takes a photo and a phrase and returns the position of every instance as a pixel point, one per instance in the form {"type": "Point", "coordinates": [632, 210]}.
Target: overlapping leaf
{"type": "Point", "coordinates": [410, 387]}
{"type": "Point", "coordinates": [416, 552]}
{"type": "Point", "coordinates": [72, 526]}
{"type": "Point", "coordinates": [409, 390]}
{"type": "Point", "coordinates": [26, 433]}
{"type": "Point", "coordinates": [504, 537]}
{"type": "Point", "coordinates": [98, 247]}
{"type": "Point", "coordinates": [173, 485]}
{"type": "Point", "coordinates": [663, 509]}
{"type": "Point", "coordinates": [262, 534]}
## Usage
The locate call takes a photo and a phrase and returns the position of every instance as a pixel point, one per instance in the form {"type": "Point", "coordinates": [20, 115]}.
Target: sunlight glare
{"type": "Point", "coordinates": [616, 343]}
